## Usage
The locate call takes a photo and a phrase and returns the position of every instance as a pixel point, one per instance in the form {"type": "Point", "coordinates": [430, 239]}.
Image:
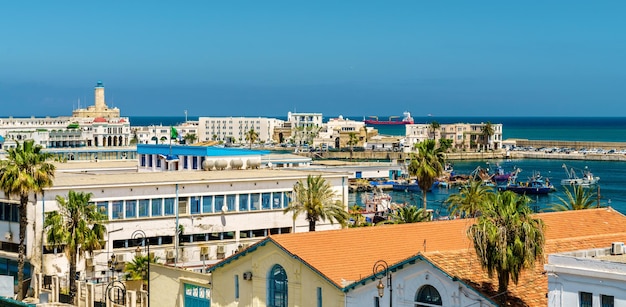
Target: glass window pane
{"type": "Point", "coordinates": [207, 204]}
{"type": "Point", "coordinates": [230, 202]}
{"type": "Point", "coordinates": [219, 202]}
{"type": "Point", "coordinates": [276, 196]}
{"type": "Point", "coordinates": [156, 206]}
{"type": "Point", "coordinates": [117, 209]}
{"type": "Point", "coordinates": [266, 201]}
{"type": "Point", "coordinates": [131, 209]}
{"type": "Point", "coordinates": [103, 207]}
{"type": "Point", "coordinates": [144, 204]}
{"type": "Point", "coordinates": [243, 202]}
{"type": "Point", "coordinates": [607, 301]}
{"type": "Point", "coordinates": [195, 205]}
{"type": "Point", "coordinates": [169, 206]}
{"type": "Point", "coordinates": [586, 299]}
{"type": "Point", "coordinates": [286, 199]}
{"type": "Point", "coordinates": [255, 202]}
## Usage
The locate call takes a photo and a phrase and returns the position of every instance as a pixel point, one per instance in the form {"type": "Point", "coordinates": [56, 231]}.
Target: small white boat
{"type": "Point", "coordinates": [572, 179]}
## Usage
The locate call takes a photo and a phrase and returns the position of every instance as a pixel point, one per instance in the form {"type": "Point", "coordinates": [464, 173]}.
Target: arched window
{"type": "Point", "coordinates": [429, 296]}
{"type": "Point", "coordinates": [277, 287]}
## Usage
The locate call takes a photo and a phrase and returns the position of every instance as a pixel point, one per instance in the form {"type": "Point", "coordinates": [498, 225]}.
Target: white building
{"type": "Point", "coordinates": [463, 135]}
{"type": "Point", "coordinates": [220, 212]}
{"type": "Point", "coordinates": [234, 129]}
{"type": "Point", "coordinates": [592, 277]}
{"type": "Point", "coordinates": [96, 126]}
{"type": "Point", "coordinates": [161, 134]}
{"type": "Point", "coordinates": [305, 126]}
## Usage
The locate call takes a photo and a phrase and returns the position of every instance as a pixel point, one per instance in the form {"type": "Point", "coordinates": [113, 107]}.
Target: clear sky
{"type": "Point", "coordinates": [351, 58]}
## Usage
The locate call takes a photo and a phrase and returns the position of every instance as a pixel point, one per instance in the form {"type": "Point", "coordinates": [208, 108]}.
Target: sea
{"type": "Point", "coordinates": [611, 190]}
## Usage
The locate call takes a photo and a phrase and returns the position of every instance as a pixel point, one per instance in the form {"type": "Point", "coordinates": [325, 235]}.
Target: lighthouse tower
{"type": "Point", "coordinates": [99, 109]}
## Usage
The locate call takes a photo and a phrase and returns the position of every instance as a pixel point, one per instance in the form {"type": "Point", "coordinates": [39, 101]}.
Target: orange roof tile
{"type": "Point", "coordinates": [446, 245]}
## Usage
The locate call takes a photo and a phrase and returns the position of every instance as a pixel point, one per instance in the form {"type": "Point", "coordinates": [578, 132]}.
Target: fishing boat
{"type": "Point", "coordinates": [393, 120]}
{"type": "Point", "coordinates": [572, 178]}
{"type": "Point", "coordinates": [536, 185]}
{"type": "Point", "coordinates": [378, 206]}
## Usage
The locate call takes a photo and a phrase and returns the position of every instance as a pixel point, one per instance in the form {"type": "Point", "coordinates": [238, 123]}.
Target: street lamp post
{"type": "Point", "coordinates": [380, 270]}
{"type": "Point", "coordinates": [140, 234]}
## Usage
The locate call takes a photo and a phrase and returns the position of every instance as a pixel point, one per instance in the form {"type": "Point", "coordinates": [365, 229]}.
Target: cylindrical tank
{"type": "Point", "coordinates": [236, 163]}
{"type": "Point", "coordinates": [254, 163]}
{"type": "Point", "coordinates": [221, 164]}
{"type": "Point", "coordinates": [207, 164]}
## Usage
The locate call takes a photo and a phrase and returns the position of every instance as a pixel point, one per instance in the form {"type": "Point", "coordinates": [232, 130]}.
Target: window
{"type": "Point", "coordinates": [169, 206]}
{"type": "Point", "coordinates": [118, 210]}
{"type": "Point", "coordinates": [429, 295]}
{"type": "Point", "coordinates": [207, 204]}
{"type": "Point", "coordinates": [586, 299]}
{"type": "Point", "coordinates": [276, 196]}
{"type": "Point", "coordinates": [195, 205]}
{"type": "Point", "coordinates": [254, 202]}
{"type": "Point", "coordinates": [230, 202]}
{"type": "Point", "coordinates": [236, 287]}
{"type": "Point", "coordinates": [277, 287]}
{"type": "Point", "coordinates": [319, 296]}
{"type": "Point", "coordinates": [197, 296]}
{"type": "Point", "coordinates": [243, 202]}
{"type": "Point", "coordinates": [131, 209]}
{"type": "Point", "coordinates": [103, 207]}
{"type": "Point", "coordinates": [156, 206]}
{"type": "Point", "coordinates": [266, 201]}
{"type": "Point", "coordinates": [607, 301]}
{"type": "Point", "coordinates": [219, 202]}
{"type": "Point", "coordinates": [144, 205]}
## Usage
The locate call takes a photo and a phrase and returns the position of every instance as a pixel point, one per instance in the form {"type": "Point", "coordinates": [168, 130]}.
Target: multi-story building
{"type": "Point", "coordinates": [234, 129]}
{"type": "Point", "coordinates": [336, 133]}
{"type": "Point", "coordinates": [191, 217]}
{"type": "Point", "coordinates": [161, 134]}
{"type": "Point", "coordinates": [96, 126]}
{"type": "Point", "coordinates": [305, 127]}
{"type": "Point", "coordinates": [464, 136]}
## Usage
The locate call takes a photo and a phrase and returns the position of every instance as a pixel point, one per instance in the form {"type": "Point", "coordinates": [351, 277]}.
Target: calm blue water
{"type": "Point", "coordinates": [609, 129]}
{"type": "Point", "coordinates": [612, 184]}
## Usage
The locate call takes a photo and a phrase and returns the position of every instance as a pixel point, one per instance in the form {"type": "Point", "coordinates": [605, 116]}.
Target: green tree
{"type": "Point", "coordinates": [356, 216]}
{"type": "Point", "coordinates": [77, 227]}
{"type": "Point", "coordinates": [26, 170]}
{"type": "Point", "coordinates": [426, 166]}
{"type": "Point", "coordinates": [408, 214]}
{"type": "Point", "coordinates": [137, 269]}
{"type": "Point", "coordinates": [434, 126]}
{"type": "Point", "coordinates": [487, 131]}
{"type": "Point", "coordinates": [251, 137]}
{"type": "Point", "coordinates": [315, 198]}
{"type": "Point", "coordinates": [578, 198]}
{"type": "Point", "coordinates": [190, 138]}
{"type": "Point", "coordinates": [507, 238]}
{"type": "Point", "coordinates": [163, 139]}
{"type": "Point", "coordinates": [470, 199]}
{"type": "Point", "coordinates": [445, 144]}
{"type": "Point", "coordinates": [352, 140]}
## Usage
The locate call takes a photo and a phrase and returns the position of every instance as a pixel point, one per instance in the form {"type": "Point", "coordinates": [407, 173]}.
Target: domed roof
{"type": "Point", "coordinates": [100, 120]}
{"type": "Point", "coordinates": [122, 120]}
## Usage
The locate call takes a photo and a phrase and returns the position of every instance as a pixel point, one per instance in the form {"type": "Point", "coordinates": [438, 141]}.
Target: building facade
{"type": "Point", "coordinates": [464, 136]}
{"type": "Point", "coordinates": [234, 129]}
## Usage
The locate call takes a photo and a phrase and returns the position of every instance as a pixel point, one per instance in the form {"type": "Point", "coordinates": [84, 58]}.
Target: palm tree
{"type": "Point", "coordinates": [77, 226]}
{"type": "Point", "coordinates": [506, 237]}
{"type": "Point", "coordinates": [487, 131]}
{"type": "Point", "coordinates": [137, 269]}
{"type": "Point", "coordinates": [25, 171]}
{"type": "Point", "coordinates": [434, 126]}
{"type": "Point", "coordinates": [353, 140]}
{"type": "Point", "coordinates": [409, 214]}
{"type": "Point", "coordinates": [251, 137]}
{"type": "Point", "coordinates": [315, 198]}
{"type": "Point", "coordinates": [357, 218]}
{"type": "Point", "coordinates": [578, 198]}
{"type": "Point", "coordinates": [426, 165]}
{"type": "Point", "coordinates": [190, 138]}
{"type": "Point", "coordinates": [469, 201]}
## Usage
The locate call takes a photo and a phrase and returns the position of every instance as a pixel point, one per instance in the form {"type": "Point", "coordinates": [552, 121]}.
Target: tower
{"type": "Point", "coordinates": [99, 97]}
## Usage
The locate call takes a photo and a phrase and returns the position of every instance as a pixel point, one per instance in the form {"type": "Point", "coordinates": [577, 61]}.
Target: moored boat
{"type": "Point", "coordinates": [588, 179]}
{"type": "Point", "coordinates": [536, 185]}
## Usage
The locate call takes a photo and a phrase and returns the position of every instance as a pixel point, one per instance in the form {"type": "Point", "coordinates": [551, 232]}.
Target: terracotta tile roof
{"type": "Point", "coordinates": [345, 256]}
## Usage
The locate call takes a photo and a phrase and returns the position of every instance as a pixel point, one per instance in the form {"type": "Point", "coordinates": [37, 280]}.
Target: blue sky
{"type": "Point", "coordinates": [357, 58]}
